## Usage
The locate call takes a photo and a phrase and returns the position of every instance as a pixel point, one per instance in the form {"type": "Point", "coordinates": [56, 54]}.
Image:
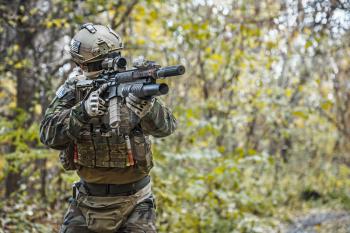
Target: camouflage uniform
{"type": "Point", "coordinates": [65, 124]}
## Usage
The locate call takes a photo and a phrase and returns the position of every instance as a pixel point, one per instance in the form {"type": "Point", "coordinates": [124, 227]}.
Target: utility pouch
{"type": "Point", "coordinates": [106, 214]}
{"type": "Point", "coordinates": [67, 157]}
{"type": "Point", "coordinates": [85, 150]}
{"type": "Point", "coordinates": [142, 152]}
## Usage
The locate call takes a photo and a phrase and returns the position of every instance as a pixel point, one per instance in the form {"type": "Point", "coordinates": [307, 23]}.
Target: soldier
{"type": "Point", "coordinates": [114, 192]}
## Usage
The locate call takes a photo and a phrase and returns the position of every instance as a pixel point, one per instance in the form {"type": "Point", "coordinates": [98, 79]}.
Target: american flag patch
{"type": "Point", "coordinates": [75, 46]}
{"type": "Point", "coordinates": [61, 91]}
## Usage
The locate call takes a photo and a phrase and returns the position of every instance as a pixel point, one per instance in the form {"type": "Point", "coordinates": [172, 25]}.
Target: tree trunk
{"type": "Point", "coordinates": [25, 89]}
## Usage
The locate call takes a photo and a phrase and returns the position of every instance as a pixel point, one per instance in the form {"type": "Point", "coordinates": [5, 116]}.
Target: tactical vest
{"type": "Point", "coordinates": [98, 145]}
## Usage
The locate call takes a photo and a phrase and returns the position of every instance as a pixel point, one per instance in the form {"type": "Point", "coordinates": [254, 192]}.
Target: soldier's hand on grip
{"type": "Point", "coordinates": [139, 106]}
{"type": "Point", "coordinates": [95, 105]}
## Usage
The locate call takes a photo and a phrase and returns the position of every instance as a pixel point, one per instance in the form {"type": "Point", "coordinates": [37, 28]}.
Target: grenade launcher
{"type": "Point", "coordinates": [141, 81]}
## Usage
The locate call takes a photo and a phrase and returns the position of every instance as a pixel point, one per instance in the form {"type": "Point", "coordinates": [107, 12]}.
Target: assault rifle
{"type": "Point", "coordinates": [141, 81]}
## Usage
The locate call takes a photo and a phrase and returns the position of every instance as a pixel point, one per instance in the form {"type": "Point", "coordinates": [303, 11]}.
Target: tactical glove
{"type": "Point", "coordinates": [95, 105]}
{"type": "Point", "coordinates": [139, 106]}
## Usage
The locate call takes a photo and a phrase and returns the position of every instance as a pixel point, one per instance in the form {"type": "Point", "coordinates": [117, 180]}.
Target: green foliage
{"type": "Point", "coordinates": [263, 110]}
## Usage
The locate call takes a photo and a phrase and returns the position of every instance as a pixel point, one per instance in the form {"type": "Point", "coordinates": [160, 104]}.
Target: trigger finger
{"type": "Point", "coordinates": [102, 107]}
{"type": "Point", "coordinates": [101, 101]}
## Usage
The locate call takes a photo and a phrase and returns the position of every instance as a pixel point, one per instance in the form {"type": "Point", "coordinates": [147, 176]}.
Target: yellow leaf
{"type": "Point", "coordinates": [140, 41]}
{"type": "Point", "coordinates": [154, 15]}
{"type": "Point", "coordinates": [300, 114]}
{"type": "Point", "coordinates": [49, 24]}
{"type": "Point", "coordinates": [217, 57]}
{"type": "Point", "coordinates": [288, 92]}
{"type": "Point", "coordinates": [327, 105]}
{"type": "Point", "coordinates": [186, 26]}
{"type": "Point", "coordinates": [18, 65]}
{"type": "Point", "coordinates": [16, 48]}
{"type": "Point", "coordinates": [139, 13]}
{"type": "Point", "coordinates": [208, 50]}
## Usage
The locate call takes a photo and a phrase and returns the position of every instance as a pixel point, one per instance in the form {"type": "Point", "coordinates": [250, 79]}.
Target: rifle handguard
{"type": "Point", "coordinates": [114, 113]}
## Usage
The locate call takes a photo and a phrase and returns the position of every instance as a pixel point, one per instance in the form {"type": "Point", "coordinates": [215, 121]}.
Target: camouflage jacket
{"type": "Point", "coordinates": [63, 121]}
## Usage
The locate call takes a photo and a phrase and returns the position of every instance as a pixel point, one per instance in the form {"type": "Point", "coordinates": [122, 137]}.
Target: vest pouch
{"type": "Point", "coordinates": [86, 150]}
{"type": "Point", "coordinates": [142, 152]}
{"type": "Point", "coordinates": [101, 151]}
{"type": "Point", "coordinates": [118, 152]}
{"type": "Point", "coordinates": [106, 214]}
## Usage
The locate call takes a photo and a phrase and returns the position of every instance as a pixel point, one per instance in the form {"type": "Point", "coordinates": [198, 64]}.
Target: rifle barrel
{"type": "Point", "coordinates": [170, 71]}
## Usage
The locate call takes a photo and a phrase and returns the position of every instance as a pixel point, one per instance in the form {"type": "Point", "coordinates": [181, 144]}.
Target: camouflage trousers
{"type": "Point", "coordinates": [141, 218]}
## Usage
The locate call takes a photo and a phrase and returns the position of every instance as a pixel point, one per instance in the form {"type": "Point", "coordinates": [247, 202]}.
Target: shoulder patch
{"type": "Point", "coordinates": [62, 91]}
{"type": "Point", "coordinates": [75, 46]}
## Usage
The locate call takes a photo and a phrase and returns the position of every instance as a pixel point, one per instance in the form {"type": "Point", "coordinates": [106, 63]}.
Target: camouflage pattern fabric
{"type": "Point", "coordinates": [141, 220]}
{"type": "Point", "coordinates": [65, 119]}
{"type": "Point", "coordinates": [63, 122]}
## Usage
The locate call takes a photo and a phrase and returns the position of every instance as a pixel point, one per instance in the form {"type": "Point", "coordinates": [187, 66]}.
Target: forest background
{"type": "Point", "coordinates": [263, 141]}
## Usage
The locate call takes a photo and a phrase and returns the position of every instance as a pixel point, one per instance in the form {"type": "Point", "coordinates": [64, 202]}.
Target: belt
{"type": "Point", "coordinates": [116, 189]}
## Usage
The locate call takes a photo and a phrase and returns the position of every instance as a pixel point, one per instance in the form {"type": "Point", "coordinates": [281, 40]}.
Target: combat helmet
{"type": "Point", "coordinates": [92, 44]}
